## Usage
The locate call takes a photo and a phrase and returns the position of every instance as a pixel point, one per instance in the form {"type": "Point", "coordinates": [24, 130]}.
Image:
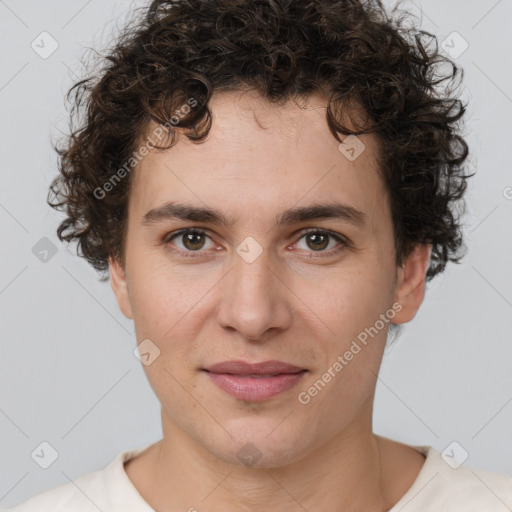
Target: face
{"type": "Point", "coordinates": [292, 259]}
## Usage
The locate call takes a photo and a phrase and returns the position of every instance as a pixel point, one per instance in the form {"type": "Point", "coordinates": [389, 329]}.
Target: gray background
{"type": "Point", "coordinates": [68, 375]}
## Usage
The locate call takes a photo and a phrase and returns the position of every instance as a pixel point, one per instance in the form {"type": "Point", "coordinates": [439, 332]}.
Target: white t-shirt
{"type": "Point", "coordinates": [438, 488]}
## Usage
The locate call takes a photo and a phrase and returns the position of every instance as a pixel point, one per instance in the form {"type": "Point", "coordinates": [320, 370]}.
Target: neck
{"type": "Point", "coordinates": [346, 473]}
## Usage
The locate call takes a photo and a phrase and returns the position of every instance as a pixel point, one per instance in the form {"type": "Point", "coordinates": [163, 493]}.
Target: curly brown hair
{"type": "Point", "coordinates": [353, 51]}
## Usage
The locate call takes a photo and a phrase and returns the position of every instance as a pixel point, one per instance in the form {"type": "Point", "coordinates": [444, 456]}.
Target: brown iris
{"type": "Point", "coordinates": [193, 241]}
{"type": "Point", "coordinates": [319, 241]}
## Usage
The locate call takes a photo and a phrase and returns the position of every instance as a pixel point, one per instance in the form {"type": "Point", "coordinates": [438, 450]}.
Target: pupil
{"type": "Point", "coordinates": [193, 241]}
{"type": "Point", "coordinates": [318, 240]}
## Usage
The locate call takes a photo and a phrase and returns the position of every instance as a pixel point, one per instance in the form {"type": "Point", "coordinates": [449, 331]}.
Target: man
{"type": "Point", "coordinates": [270, 184]}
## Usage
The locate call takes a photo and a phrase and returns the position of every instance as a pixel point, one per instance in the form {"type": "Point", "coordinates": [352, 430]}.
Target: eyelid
{"type": "Point", "coordinates": [173, 234]}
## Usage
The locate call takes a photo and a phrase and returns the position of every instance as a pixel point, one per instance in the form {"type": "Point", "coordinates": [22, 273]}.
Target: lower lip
{"type": "Point", "coordinates": [255, 388]}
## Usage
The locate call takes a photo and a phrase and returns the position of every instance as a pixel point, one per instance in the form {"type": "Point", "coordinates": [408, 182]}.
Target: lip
{"type": "Point", "coordinates": [257, 381]}
{"type": "Point", "coordinates": [239, 367]}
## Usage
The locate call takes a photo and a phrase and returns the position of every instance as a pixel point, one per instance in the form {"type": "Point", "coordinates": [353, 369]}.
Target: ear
{"type": "Point", "coordinates": [120, 287]}
{"type": "Point", "coordinates": [411, 280]}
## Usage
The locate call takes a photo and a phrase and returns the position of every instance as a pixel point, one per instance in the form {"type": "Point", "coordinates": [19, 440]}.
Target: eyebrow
{"type": "Point", "coordinates": [339, 211]}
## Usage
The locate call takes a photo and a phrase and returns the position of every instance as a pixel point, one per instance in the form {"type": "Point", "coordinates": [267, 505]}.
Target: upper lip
{"type": "Point", "coordinates": [265, 368]}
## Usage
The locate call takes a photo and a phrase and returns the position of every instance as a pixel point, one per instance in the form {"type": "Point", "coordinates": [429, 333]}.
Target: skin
{"type": "Point", "coordinates": [294, 303]}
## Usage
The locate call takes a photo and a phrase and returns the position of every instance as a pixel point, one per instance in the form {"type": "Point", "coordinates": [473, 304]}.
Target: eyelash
{"type": "Point", "coordinates": [343, 243]}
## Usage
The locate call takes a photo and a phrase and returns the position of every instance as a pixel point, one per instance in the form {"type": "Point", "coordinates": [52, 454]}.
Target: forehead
{"type": "Point", "coordinates": [262, 157]}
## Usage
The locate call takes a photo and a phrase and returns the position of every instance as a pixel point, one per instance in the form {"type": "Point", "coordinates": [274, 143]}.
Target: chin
{"type": "Point", "coordinates": [257, 444]}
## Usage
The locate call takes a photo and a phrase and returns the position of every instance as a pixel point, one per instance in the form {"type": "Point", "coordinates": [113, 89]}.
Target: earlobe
{"type": "Point", "coordinates": [410, 289]}
{"type": "Point", "coordinates": [120, 287]}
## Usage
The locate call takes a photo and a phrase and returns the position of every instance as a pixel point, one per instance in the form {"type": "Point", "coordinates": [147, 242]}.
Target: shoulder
{"type": "Point", "coordinates": [443, 485]}
{"type": "Point", "coordinates": [84, 494]}
{"type": "Point", "coordinates": [107, 489]}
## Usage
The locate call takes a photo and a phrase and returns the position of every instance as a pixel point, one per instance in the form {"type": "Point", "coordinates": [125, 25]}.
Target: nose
{"type": "Point", "coordinates": [254, 300]}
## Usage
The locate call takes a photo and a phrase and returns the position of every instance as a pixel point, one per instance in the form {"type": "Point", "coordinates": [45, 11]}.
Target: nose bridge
{"type": "Point", "coordinates": [253, 300]}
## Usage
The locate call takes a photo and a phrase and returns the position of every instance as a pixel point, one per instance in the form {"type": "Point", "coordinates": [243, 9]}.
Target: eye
{"type": "Point", "coordinates": [191, 240]}
{"type": "Point", "coordinates": [322, 241]}
{"type": "Point", "coordinates": [195, 240]}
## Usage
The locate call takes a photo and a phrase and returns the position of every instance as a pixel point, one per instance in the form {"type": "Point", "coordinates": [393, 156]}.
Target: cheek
{"type": "Point", "coordinates": [350, 299]}
{"type": "Point", "coordinates": [168, 310]}
{"type": "Point", "coordinates": [352, 350]}
{"type": "Point", "coordinates": [161, 295]}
